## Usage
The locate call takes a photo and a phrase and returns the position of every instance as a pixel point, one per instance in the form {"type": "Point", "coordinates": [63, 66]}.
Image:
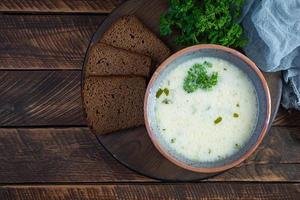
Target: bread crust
{"type": "Point", "coordinates": [106, 60]}
{"type": "Point", "coordinates": [131, 34]}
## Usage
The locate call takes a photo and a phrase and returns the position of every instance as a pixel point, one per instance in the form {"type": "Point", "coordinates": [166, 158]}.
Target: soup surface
{"type": "Point", "coordinates": [206, 124]}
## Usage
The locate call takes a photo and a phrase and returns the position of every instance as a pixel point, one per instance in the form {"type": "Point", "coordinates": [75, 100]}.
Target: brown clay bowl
{"type": "Point", "coordinates": [263, 99]}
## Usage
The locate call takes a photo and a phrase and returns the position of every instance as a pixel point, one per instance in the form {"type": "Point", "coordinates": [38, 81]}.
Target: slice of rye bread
{"type": "Point", "coordinates": [129, 33]}
{"type": "Point", "coordinates": [106, 60]}
{"type": "Point", "coordinates": [114, 103]}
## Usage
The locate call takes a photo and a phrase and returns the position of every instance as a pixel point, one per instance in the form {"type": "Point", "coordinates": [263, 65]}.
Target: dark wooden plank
{"type": "Point", "coordinates": [257, 172]}
{"type": "Point", "coordinates": [262, 172]}
{"type": "Point", "coordinates": [45, 41]}
{"type": "Point", "coordinates": [40, 98]}
{"type": "Point", "coordinates": [153, 191]}
{"type": "Point", "coordinates": [60, 6]}
{"type": "Point", "coordinates": [57, 155]}
{"type": "Point", "coordinates": [74, 155]}
{"type": "Point", "coordinates": [287, 118]}
{"type": "Point", "coordinates": [279, 146]}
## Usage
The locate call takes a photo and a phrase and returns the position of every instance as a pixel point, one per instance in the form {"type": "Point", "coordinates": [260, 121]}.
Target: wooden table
{"type": "Point", "coordinates": [46, 150]}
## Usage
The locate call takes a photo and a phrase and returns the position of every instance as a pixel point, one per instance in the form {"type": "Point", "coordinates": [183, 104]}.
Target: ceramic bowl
{"type": "Point", "coordinates": [240, 61]}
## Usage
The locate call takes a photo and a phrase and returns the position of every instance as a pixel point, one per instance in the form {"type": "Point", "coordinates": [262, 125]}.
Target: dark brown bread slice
{"type": "Point", "coordinates": [114, 103]}
{"type": "Point", "coordinates": [105, 60]}
{"type": "Point", "coordinates": [129, 33]}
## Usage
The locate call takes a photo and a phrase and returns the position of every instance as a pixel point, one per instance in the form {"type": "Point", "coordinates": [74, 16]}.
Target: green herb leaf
{"type": "Point", "coordinates": [165, 25]}
{"type": "Point", "coordinates": [197, 77]}
{"type": "Point", "coordinates": [159, 92]}
{"type": "Point", "coordinates": [207, 64]}
{"type": "Point", "coordinates": [237, 146]}
{"type": "Point", "coordinates": [166, 101]}
{"type": "Point", "coordinates": [218, 120]}
{"type": "Point", "coordinates": [220, 157]}
{"type": "Point", "coordinates": [166, 91]}
{"type": "Point", "coordinates": [207, 21]}
{"type": "Point", "coordinates": [235, 115]}
{"type": "Point", "coordinates": [173, 140]}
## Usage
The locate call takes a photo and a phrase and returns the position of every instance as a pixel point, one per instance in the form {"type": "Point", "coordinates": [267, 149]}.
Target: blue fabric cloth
{"type": "Point", "coordinates": [273, 30]}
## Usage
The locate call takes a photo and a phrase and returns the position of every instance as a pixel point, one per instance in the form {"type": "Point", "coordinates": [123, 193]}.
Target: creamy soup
{"type": "Point", "coordinates": [206, 124]}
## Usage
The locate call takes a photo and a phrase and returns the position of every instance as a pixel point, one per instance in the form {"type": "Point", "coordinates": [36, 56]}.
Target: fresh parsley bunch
{"type": "Point", "coordinates": [206, 21]}
{"type": "Point", "coordinates": [197, 77]}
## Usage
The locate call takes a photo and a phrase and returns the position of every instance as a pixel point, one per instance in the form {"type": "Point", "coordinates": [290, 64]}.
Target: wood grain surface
{"type": "Point", "coordinates": [38, 155]}
{"type": "Point", "coordinates": [45, 41]}
{"type": "Point", "coordinates": [57, 155]}
{"type": "Point", "coordinates": [40, 98]}
{"type": "Point", "coordinates": [287, 118]}
{"type": "Point", "coordinates": [46, 152]}
{"type": "Point", "coordinates": [58, 6]}
{"type": "Point", "coordinates": [278, 191]}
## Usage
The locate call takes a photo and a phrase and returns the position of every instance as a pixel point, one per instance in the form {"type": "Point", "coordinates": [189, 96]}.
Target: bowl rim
{"type": "Point", "coordinates": [262, 134]}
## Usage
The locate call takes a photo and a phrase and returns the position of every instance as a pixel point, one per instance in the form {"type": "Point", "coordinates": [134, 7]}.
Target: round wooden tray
{"type": "Point", "coordinates": [133, 147]}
